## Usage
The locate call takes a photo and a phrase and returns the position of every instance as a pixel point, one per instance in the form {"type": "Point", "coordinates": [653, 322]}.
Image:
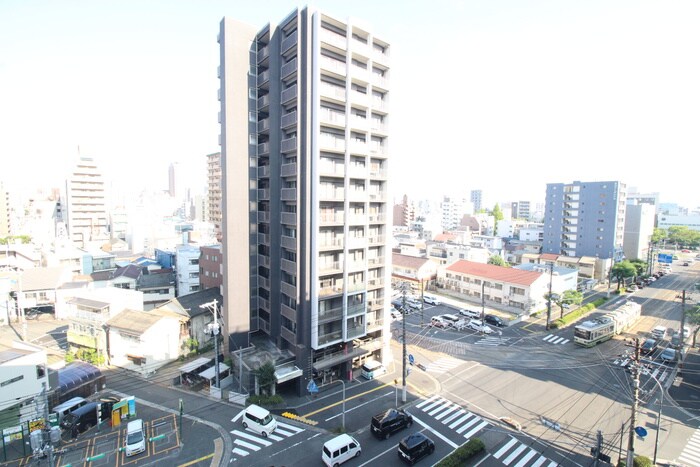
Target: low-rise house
{"type": "Point", "coordinates": [413, 270]}
{"type": "Point", "coordinates": [514, 290]}
{"type": "Point", "coordinates": [36, 287]}
{"type": "Point", "coordinates": [23, 379]}
{"type": "Point", "coordinates": [143, 341]}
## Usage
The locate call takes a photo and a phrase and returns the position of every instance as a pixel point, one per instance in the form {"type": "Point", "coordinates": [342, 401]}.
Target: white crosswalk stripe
{"type": "Point", "coordinates": [492, 341]}
{"type": "Point", "coordinates": [691, 451]}
{"type": "Point", "coordinates": [519, 454]}
{"type": "Point", "coordinates": [247, 442]}
{"type": "Point", "coordinates": [453, 415]}
{"type": "Point", "coordinates": [554, 339]}
{"type": "Point", "coordinates": [442, 365]}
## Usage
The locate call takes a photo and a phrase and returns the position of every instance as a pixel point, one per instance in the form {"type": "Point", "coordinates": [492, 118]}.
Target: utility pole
{"type": "Point", "coordinates": [682, 331]}
{"type": "Point", "coordinates": [214, 332]}
{"type": "Point", "coordinates": [422, 304]}
{"type": "Point", "coordinates": [599, 446]}
{"type": "Point", "coordinates": [549, 296]}
{"type": "Point", "coordinates": [635, 403]}
{"type": "Point", "coordinates": [622, 436]}
{"type": "Point", "coordinates": [483, 306]}
{"type": "Point", "coordinates": [403, 321]}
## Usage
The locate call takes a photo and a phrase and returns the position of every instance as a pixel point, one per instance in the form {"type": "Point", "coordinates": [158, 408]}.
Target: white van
{"type": "Point", "coordinates": [259, 420]}
{"type": "Point", "coordinates": [372, 368]}
{"type": "Point", "coordinates": [340, 449]}
{"type": "Point", "coordinates": [135, 438]}
{"type": "Point", "coordinates": [63, 409]}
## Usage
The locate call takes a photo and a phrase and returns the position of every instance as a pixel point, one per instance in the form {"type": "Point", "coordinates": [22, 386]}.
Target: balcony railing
{"type": "Point", "coordinates": [289, 94]}
{"type": "Point", "coordinates": [289, 170]}
{"type": "Point", "coordinates": [333, 38]}
{"type": "Point", "coordinates": [336, 289]}
{"type": "Point", "coordinates": [334, 92]}
{"type": "Point", "coordinates": [330, 315]}
{"type": "Point", "coordinates": [289, 243]}
{"type": "Point", "coordinates": [356, 331]}
{"type": "Point", "coordinates": [289, 42]}
{"type": "Point", "coordinates": [289, 119]}
{"type": "Point", "coordinates": [289, 145]}
{"type": "Point", "coordinates": [288, 68]}
{"type": "Point", "coordinates": [324, 339]}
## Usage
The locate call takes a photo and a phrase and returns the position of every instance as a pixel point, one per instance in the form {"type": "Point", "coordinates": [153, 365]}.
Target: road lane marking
{"type": "Point", "coordinates": [245, 435]}
{"type": "Point", "coordinates": [346, 399]}
{"type": "Point", "coordinates": [358, 406]}
{"type": "Point", "coordinates": [505, 448]}
{"type": "Point", "coordinates": [429, 428]}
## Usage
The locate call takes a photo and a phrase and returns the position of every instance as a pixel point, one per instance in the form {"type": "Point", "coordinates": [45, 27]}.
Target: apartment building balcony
{"type": "Point", "coordinates": [360, 47]}
{"type": "Point", "coordinates": [375, 283]}
{"type": "Point", "coordinates": [264, 239]}
{"type": "Point", "coordinates": [332, 118]}
{"type": "Point", "coordinates": [332, 93]}
{"type": "Point", "coordinates": [356, 266]}
{"type": "Point", "coordinates": [289, 119]}
{"type": "Point", "coordinates": [264, 79]}
{"type": "Point", "coordinates": [333, 314]}
{"type": "Point", "coordinates": [333, 267]}
{"type": "Point", "coordinates": [332, 290]}
{"type": "Point", "coordinates": [360, 74]}
{"type": "Point", "coordinates": [264, 102]}
{"type": "Point", "coordinates": [357, 242]}
{"type": "Point", "coordinates": [335, 243]}
{"type": "Point", "coordinates": [376, 304]}
{"type": "Point", "coordinates": [264, 149]}
{"type": "Point", "coordinates": [289, 42]}
{"type": "Point", "coordinates": [378, 149]}
{"type": "Point", "coordinates": [289, 194]}
{"type": "Point", "coordinates": [288, 266]}
{"type": "Point", "coordinates": [330, 169]}
{"type": "Point", "coordinates": [289, 94]}
{"type": "Point", "coordinates": [379, 81]}
{"type": "Point", "coordinates": [377, 196]}
{"type": "Point", "coordinates": [264, 216]}
{"type": "Point", "coordinates": [380, 56]}
{"type": "Point", "coordinates": [264, 304]}
{"type": "Point", "coordinates": [289, 290]}
{"type": "Point", "coordinates": [357, 219]}
{"type": "Point", "coordinates": [331, 143]}
{"type": "Point", "coordinates": [263, 54]}
{"type": "Point", "coordinates": [356, 331]}
{"type": "Point", "coordinates": [288, 145]}
{"type": "Point", "coordinates": [333, 38]}
{"type": "Point", "coordinates": [288, 335]}
{"type": "Point", "coordinates": [376, 218]}
{"type": "Point", "coordinates": [368, 344]}
{"type": "Point", "coordinates": [359, 123]}
{"type": "Point", "coordinates": [379, 261]}
{"type": "Point", "coordinates": [331, 337]}
{"type": "Point", "coordinates": [264, 126]}
{"type": "Point", "coordinates": [377, 174]}
{"type": "Point", "coordinates": [264, 261]}
{"type": "Point", "coordinates": [289, 169]}
{"type": "Point", "coordinates": [357, 195]}
{"type": "Point", "coordinates": [334, 218]}
{"type": "Point", "coordinates": [356, 310]}
{"type": "Point", "coordinates": [289, 218]}
{"type": "Point", "coordinates": [331, 194]}
{"type": "Point", "coordinates": [359, 98]}
{"type": "Point", "coordinates": [375, 325]}
{"type": "Point", "coordinates": [333, 66]}
{"type": "Point", "coordinates": [380, 104]}
{"type": "Point", "coordinates": [289, 243]}
{"type": "Point", "coordinates": [378, 127]}
{"type": "Point", "coordinates": [288, 68]}
{"type": "Point", "coordinates": [356, 287]}
{"type": "Point", "coordinates": [356, 171]}
{"type": "Point", "coordinates": [264, 171]}
{"type": "Point", "coordinates": [263, 194]}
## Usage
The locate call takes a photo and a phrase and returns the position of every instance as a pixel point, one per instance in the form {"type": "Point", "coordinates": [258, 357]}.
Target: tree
{"type": "Point", "coordinates": [658, 236]}
{"type": "Point", "coordinates": [692, 317]}
{"type": "Point", "coordinates": [497, 260]}
{"type": "Point", "coordinates": [497, 216]}
{"type": "Point", "coordinates": [265, 375]}
{"type": "Point", "coordinates": [569, 297]}
{"type": "Point", "coordinates": [640, 266]}
{"type": "Point", "coordinates": [622, 270]}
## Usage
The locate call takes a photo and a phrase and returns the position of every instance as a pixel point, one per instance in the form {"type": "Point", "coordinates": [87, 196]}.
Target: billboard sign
{"type": "Point", "coordinates": [664, 258]}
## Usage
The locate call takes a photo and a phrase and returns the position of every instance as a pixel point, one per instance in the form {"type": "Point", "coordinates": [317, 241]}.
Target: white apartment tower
{"type": "Point", "coordinates": [213, 213]}
{"type": "Point", "coordinates": [304, 114]}
{"type": "Point", "coordinates": [85, 204]}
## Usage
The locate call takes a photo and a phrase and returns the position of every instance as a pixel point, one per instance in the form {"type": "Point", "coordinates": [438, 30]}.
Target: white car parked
{"type": "Point", "coordinates": [430, 300]}
{"type": "Point", "coordinates": [477, 325]}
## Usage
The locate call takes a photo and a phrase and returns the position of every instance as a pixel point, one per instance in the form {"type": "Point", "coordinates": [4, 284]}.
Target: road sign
{"type": "Point", "coordinates": [411, 360]}
{"type": "Point", "coordinates": [311, 387]}
{"type": "Point", "coordinates": [664, 258]}
{"type": "Point", "coordinates": [640, 431]}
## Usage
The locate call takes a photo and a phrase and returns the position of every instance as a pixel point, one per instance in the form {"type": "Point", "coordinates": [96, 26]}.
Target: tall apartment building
{"type": "Point", "coordinates": [5, 212]}
{"type": "Point", "coordinates": [585, 219]}
{"type": "Point", "coordinates": [304, 114]}
{"type": "Point", "coordinates": [85, 204]}
{"type": "Point", "coordinates": [452, 211]}
{"type": "Point", "coordinates": [639, 228]}
{"type": "Point", "coordinates": [214, 190]}
{"type": "Point", "coordinates": [475, 196]}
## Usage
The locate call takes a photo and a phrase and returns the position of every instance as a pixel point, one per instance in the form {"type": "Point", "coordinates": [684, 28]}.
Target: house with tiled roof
{"type": "Point", "coordinates": [510, 289]}
{"type": "Point", "coordinates": [413, 270]}
{"type": "Point", "coordinates": [143, 341]}
{"type": "Point", "coordinates": [36, 287]}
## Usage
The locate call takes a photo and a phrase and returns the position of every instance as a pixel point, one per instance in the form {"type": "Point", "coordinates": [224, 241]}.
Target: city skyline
{"type": "Point", "coordinates": [503, 97]}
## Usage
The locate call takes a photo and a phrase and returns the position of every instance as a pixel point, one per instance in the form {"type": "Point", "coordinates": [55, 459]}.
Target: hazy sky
{"type": "Point", "coordinates": [503, 96]}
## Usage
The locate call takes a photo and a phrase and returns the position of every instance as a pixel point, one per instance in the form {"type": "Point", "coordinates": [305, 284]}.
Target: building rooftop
{"type": "Point", "coordinates": [495, 273]}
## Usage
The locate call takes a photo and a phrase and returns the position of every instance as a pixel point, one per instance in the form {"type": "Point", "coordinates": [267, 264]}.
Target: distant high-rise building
{"type": "Point", "coordinates": [175, 187]}
{"type": "Point", "coordinates": [639, 228]}
{"type": "Point", "coordinates": [214, 190]}
{"type": "Point", "coordinates": [304, 114]}
{"type": "Point", "coordinates": [453, 210]}
{"type": "Point", "coordinates": [475, 196]}
{"type": "Point", "coordinates": [585, 219]}
{"type": "Point", "coordinates": [85, 204]}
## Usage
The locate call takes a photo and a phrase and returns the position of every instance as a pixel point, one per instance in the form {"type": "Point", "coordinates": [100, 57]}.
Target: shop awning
{"type": "Point", "coordinates": [210, 373]}
{"type": "Point", "coordinates": [193, 365]}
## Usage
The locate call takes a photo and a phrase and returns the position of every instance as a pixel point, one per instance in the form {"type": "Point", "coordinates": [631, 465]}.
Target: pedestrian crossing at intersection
{"type": "Point", "coordinates": [469, 425]}
{"type": "Point", "coordinates": [553, 339]}
{"type": "Point", "coordinates": [246, 442]}
{"type": "Point", "coordinates": [442, 365]}
{"type": "Point", "coordinates": [492, 341]}
{"type": "Point", "coordinates": [691, 452]}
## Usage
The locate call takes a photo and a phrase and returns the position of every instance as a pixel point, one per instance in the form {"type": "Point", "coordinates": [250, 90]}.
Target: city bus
{"type": "Point", "coordinates": [593, 332]}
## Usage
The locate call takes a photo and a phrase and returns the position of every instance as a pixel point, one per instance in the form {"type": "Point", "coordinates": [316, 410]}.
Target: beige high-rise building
{"type": "Point", "coordinates": [306, 213]}
{"type": "Point", "coordinates": [213, 214]}
{"type": "Point", "coordinates": [85, 204]}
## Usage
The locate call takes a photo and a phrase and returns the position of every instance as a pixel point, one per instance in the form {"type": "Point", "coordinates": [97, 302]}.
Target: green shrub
{"type": "Point", "coordinates": [462, 454]}
{"type": "Point", "coordinates": [642, 461]}
{"type": "Point", "coordinates": [264, 400]}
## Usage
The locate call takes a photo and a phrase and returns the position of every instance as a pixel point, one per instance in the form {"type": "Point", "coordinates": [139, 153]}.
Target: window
{"type": "Point", "coordinates": [40, 371]}
{"type": "Point", "coordinates": [194, 275]}
{"type": "Point", "coordinates": [11, 380]}
{"type": "Point", "coordinates": [194, 262]}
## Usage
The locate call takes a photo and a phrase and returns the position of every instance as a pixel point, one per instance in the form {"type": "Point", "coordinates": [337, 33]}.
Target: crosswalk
{"type": "Point", "coordinates": [554, 339]}
{"type": "Point", "coordinates": [247, 442]}
{"type": "Point", "coordinates": [658, 372]}
{"type": "Point", "coordinates": [691, 452]}
{"type": "Point", "coordinates": [492, 341]}
{"type": "Point", "coordinates": [443, 365]}
{"type": "Point", "coordinates": [453, 415]}
{"type": "Point", "coordinates": [468, 425]}
{"type": "Point", "coordinates": [518, 454]}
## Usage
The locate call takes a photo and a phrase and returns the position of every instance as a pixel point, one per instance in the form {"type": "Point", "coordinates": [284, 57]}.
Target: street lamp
{"type": "Point", "coordinates": [403, 321]}
{"type": "Point", "coordinates": [343, 383]}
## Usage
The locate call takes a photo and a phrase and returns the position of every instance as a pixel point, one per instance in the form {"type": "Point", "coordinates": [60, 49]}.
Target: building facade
{"type": "Point", "coordinates": [307, 128]}
{"type": "Point", "coordinates": [210, 267]}
{"type": "Point", "coordinates": [639, 228]}
{"type": "Point", "coordinates": [585, 219]}
{"type": "Point", "coordinates": [214, 191]}
{"type": "Point", "coordinates": [88, 222]}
